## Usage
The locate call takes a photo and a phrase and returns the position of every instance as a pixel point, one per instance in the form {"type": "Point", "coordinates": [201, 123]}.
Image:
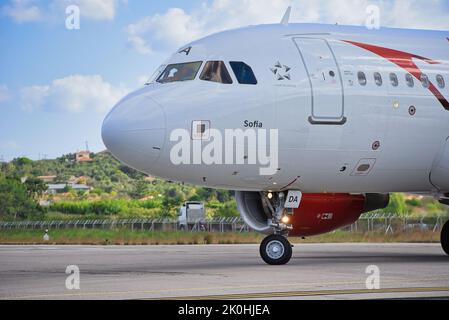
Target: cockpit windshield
{"type": "Point", "coordinates": [179, 72]}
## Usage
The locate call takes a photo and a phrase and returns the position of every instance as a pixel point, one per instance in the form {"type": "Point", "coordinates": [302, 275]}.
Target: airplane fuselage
{"type": "Point", "coordinates": [357, 111]}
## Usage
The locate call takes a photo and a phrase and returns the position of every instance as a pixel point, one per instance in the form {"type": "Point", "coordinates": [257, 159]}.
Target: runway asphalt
{"type": "Point", "coordinates": [317, 271]}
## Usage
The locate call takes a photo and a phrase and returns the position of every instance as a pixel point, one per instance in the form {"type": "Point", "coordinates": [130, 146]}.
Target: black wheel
{"type": "Point", "coordinates": [276, 250]}
{"type": "Point", "coordinates": [445, 238]}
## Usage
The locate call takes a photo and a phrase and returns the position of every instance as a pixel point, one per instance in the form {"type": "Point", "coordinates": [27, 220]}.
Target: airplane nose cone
{"type": "Point", "coordinates": [134, 132]}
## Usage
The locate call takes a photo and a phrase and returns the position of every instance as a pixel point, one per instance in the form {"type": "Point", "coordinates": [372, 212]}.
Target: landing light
{"type": "Point", "coordinates": [285, 219]}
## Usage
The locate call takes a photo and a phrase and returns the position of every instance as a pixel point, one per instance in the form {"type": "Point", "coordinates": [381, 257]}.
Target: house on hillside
{"type": "Point", "coordinates": [62, 187]}
{"type": "Point", "coordinates": [78, 180]}
{"type": "Point", "coordinates": [83, 156]}
{"type": "Point", "coordinates": [47, 179]}
{"type": "Point", "coordinates": [150, 179]}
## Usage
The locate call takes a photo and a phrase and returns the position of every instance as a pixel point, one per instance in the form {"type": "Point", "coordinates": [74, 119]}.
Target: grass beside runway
{"type": "Point", "coordinates": [375, 237]}
{"type": "Point", "coordinates": [138, 237]}
{"type": "Point", "coordinates": [124, 237]}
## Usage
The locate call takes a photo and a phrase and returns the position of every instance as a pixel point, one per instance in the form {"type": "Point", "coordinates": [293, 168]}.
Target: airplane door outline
{"type": "Point", "coordinates": [439, 175]}
{"type": "Point", "coordinates": [324, 75]}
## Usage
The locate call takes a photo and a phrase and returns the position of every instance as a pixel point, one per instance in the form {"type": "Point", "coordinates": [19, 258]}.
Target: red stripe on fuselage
{"type": "Point", "coordinates": [405, 61]}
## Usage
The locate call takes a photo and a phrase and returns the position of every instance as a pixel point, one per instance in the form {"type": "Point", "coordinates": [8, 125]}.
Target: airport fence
{"type": "Point", "coordinates": [373, 222]}
{"type": "Point", "coordinates": [213, 225]}
{"type": "Point", "coordinates": [393, 222]}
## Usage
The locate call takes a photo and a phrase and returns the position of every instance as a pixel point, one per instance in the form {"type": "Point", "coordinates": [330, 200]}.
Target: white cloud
{"type": "Point", "coordinates": [8, 145]}
{"type": "Point", "coordinates": [91, 9]}
{"type": "Point", "coordinates": [73, 94]}
{"type": "Point", "coordinates": [172, 28]}
{"type": "Point", "coordinates": [138, 43]}
{"type": "Point", "coordinates": [4, 93]}
{"type": "Point", "coordinates": [141, 80]}
{"type": "Point", "coordinates": [23, 11]}
{"type": "Point", "coordinates": [33, 97]}
{"type": "Point", "coordinates": [175, 27]}
{"type": "Point", "coordinates": [32, 10]}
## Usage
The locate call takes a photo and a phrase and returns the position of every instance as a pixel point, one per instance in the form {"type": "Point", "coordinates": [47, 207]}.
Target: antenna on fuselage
{"type": "Point", "coordinates": [286, 17]}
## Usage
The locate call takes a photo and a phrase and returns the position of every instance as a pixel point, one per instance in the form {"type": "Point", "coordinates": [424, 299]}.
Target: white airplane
{"type": "Point", "coordinates": [351, 115]}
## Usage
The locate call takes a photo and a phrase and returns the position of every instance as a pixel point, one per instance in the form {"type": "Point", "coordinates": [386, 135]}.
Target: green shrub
{"type": "Point", "coordinates": [229, 209]}
{"type": "Point", "coordinates": [110, 207]}
{"type": "Point", "coordinates": [413, 203]}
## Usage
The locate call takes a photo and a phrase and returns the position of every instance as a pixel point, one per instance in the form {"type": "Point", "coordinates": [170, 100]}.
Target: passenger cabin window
{"type": "Point", "coordinates": [394, 79]}
{"type": "Point", "coordinates": [216, 71]}
{"type": "Point", "coordinates": [362, 78]}
{"type": "Point", "coordinates": [378, 79]}
{"type": "Point", "coordinates": [425, 81]}
{"type": "Point", "coordinates": [179, 72]}
{"type": "Point", "coordinates": [243, 72]}
{"type": "Point", "coordinates": [409, 80]}
{"type": "Point", "coordinates": [440, 81]}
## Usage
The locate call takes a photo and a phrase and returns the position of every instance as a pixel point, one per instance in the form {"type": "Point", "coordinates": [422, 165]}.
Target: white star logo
{"type": "Point", "coordinates": [281, 71]}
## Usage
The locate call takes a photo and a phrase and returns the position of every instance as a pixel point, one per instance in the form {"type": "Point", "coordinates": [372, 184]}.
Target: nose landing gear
{"type": "Point", "coordinates": [276, 249]}
{"type": "Point", "coordinates": [445, 238]}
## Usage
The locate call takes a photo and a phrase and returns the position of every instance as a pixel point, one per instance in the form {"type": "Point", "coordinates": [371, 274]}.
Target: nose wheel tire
{"type": "Point", "coordinates": [445, 238]}
{"type": "Point", "coordinates": [276, 250]}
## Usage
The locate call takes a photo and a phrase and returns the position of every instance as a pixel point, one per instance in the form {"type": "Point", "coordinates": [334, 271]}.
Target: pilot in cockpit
{"type": "Point", "coordinates": [182, 74]}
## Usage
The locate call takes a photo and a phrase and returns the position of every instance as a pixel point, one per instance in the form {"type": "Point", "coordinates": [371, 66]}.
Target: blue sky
{"type": "Point", "coordinates": [56, 85]}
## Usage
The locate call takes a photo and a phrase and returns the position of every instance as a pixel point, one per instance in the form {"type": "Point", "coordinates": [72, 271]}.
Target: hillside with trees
{"type": "Point", "coordinates": [117, 191]}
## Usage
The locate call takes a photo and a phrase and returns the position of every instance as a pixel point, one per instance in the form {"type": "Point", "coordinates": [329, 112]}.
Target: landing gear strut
{"type": "Point", "coordinates": [445, 238]}
{"type": "Point", "coordinates": [276, 249]}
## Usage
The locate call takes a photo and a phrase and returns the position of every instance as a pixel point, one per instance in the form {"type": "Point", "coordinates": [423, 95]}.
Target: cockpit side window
{"type": "Point", "coordinates": [243, 72]}
{"type": "Point", "coordinates": [216, 71]}
{"type": "Point", "coordinates": [156, 74]}
{"type": "Point", "coordinates": [179, 72]}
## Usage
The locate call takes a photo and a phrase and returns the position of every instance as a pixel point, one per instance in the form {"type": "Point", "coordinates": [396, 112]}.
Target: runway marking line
{"type": "Point", "coordinates": [125, 292]}
{"type": "Point", "coordinates": [245, 296]}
